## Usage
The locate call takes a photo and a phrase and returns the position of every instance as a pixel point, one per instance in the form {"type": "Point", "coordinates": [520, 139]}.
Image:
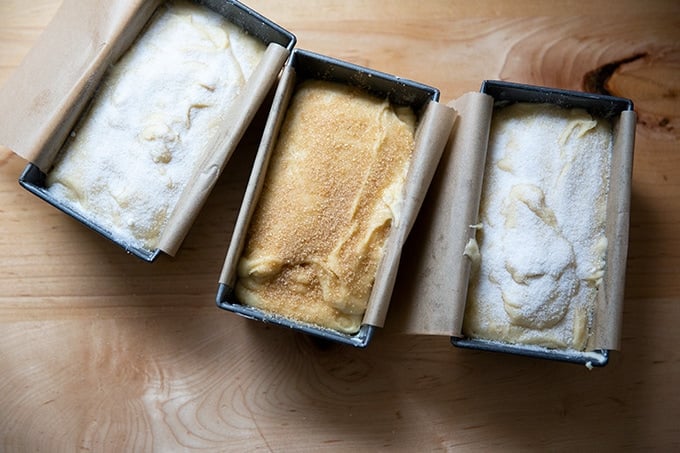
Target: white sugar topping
{"type": "Point", "coordinates": [542, 244]}
{"type": "Point", "coordinates": [153, 118]}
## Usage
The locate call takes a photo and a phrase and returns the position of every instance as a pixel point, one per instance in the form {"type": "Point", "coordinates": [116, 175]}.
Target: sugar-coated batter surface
{"type": "Point", "coordinates": [542, 242]}
{"type": "Point", "coordinates": [332, 192]}
{"type": "Point", "coordinates": [152, 119]}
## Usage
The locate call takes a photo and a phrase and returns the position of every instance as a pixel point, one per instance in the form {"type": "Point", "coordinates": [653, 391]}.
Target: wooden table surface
{"type": "Point", "coordinates": [100, 351]}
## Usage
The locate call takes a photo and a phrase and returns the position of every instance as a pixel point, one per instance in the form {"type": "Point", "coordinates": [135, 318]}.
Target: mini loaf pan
{"type": "Point", "coordinates": [305, 65]}
{"type": "Point", "coordinates": [607, 107]}
{"type": "Point", "coordinates": [33, 179]}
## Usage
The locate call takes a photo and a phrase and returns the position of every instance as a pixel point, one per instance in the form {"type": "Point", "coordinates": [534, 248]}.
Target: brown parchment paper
{"type": "Point", "coordinates": [43, 98]}
{"type": "Point", "coordinates": [433, 131]}
{"type": "Point", "coordinates": [431, 287]}
{"type": "Point", "coordinates": [609, 313]}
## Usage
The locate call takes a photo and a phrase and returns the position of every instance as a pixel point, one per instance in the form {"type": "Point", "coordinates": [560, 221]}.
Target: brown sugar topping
{"type": "Point", "coordinates": [332, 192]}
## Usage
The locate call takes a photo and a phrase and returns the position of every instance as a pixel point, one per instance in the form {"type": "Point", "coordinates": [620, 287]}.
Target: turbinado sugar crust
{"type": "Point", "coordinates": [542, 241]}
{"type": "Point", "coordinates": [332, 192]}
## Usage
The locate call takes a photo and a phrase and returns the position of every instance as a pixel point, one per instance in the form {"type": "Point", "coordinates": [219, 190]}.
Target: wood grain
{"type": "Point", "coordinates": [101, 352]}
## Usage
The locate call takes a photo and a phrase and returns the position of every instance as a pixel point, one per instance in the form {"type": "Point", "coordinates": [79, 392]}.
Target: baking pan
{"type": "Point", "coordinates": [33, 179]}
{"type": "Point", "coordinates": [308, 65]}
{"type": "Point", "coordinates": [608, 107]}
